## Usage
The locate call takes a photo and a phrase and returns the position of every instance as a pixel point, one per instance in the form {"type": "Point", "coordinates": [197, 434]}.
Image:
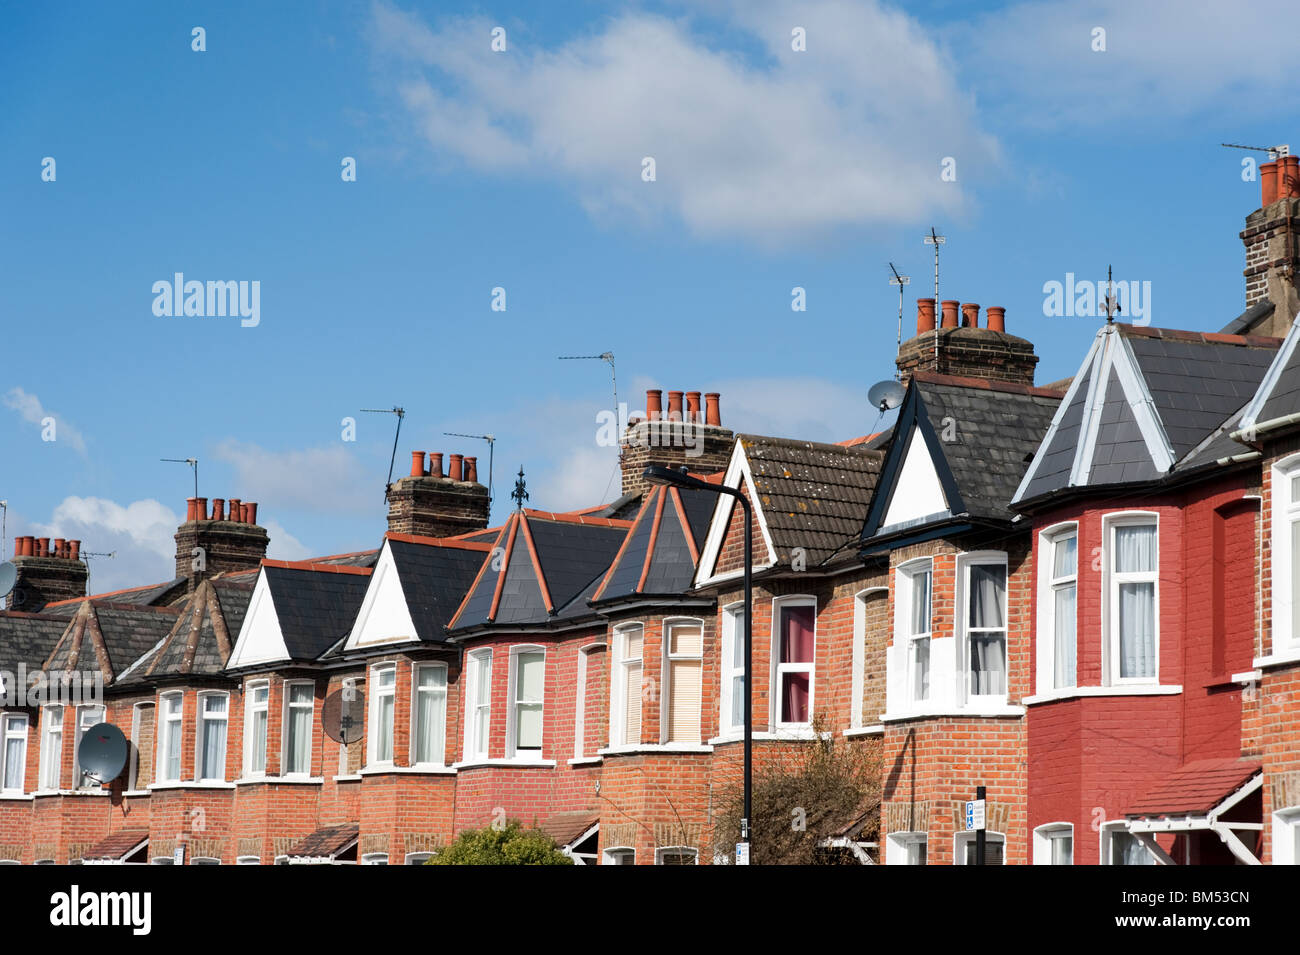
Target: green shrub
{"type": "Point", "coordinates": [511, 844]}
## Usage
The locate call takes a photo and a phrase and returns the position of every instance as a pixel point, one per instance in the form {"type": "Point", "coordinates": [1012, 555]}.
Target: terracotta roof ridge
{"type": "Point", "coordinates": [1207, 338]}
{"type": "Point", "coordinates": [311, 565]}
{"type": "Point", "coordinates": [484, 546]}
{"type": "Point", "coordinates": [576, 518]}
{"type": "Point", "coordinates": [1009, 387]}
{"type": "Point", "coordinates": [110, 593]}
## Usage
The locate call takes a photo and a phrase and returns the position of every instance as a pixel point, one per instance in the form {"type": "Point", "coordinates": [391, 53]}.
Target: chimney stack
{"type": "Point", "coordinates": [1272, 241]}
{"type": "Point", "coordinates": [211, 543]}
{"type": "Point", "coordinates": [688, 435]}
{"type": "Point", "coordinates": [964, 348]}
{"type": "Point", "coordinates": [46, 573]}
{"type": "Point", "coordinates": [431, 504]}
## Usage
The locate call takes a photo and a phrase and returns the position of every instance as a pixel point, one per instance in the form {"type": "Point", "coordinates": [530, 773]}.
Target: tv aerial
{"type": "Point", "coordinates": [102, 752]}
{"type": "Point", "coordinates": [401, 413]}
{"type": "Point", "coordinates": [193, 463]}
{"type": "Point", "coordinates": [603, 356]}
{"type": "Point", "coordinates": [343, 715]}
{"type": "Point", "coordinates": [491, 439]}
{"type": "Point", "coordinates": [1273, 151]}
{"type": "Point", "coordinates": [886, 395]}
{"type": "Point", "coordinates": [900, 281]}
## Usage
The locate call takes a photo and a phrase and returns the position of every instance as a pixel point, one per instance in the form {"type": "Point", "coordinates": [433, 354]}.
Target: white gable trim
{"type": "Point", "coordinates": [1144, 406]}
{"type": "Point", "coordinates": [1071, 392]}
{"type": "Point", "coordinates": [260, 639]}
{"type": "Point", "coordinates": [1283, 357]}
{"type": "Point", "coordinates": [1098, 384]}
{"type": "Point", "coordinates": [918, 484]}
{"type": "Point", "coordinates": [384, 617]}
{"type": "Point", "coordinates": [737, 470]}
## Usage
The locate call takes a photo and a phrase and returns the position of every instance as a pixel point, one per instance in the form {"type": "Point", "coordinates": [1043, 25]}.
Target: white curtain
{"type": "Point", "coordinates": [1128, 851]}
{"type": "Point", "coordinates": [528, 693]}
{"type": "Point", "coordinates": [384, 739]}
{"type": "Point", "coordinates": [214, 748]}
{"type": "Point", "coordinates": [1066, 646]}
{"type": "Point", "coordinates": [259, 741]}
{"type": "Point", "coordinates": [299, 729]}
{"type": "Point", "coordinates": [988, 643]}
{"type": "Point", "coordinates": [15, 755]}
{"type": "Point", "coordinates": [1135, 548]}
{"type": "Point", "coordinates": [431, 703]}
{"type": "Point", "coordinates": [173, 768]}
{"type": "Point", "coordinates": [1135, 552]}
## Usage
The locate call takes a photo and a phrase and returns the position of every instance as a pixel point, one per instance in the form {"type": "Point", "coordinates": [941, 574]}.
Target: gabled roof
{"type": "Point", "coordinates": [109, 637]}
{"type": "Point", "coordinates": [960, 447]}
{"type": "Point", "coordinates": [298, 612]}
{"type": "Point", "coordinates": [417, 585]}
{"type": "Point", "coordinates": [1195, 788]}
{"type": "Point", "coordinates": [200, 642]}
{"type": "Point", "coordinates": [118, 846]}
{"type": "Point", "coordinates": [542, 569]}
{"type": "Point", "coordinates": [659, 554]}
{"type": "Point", "coordinates": [146, 596]}
{"type": "Point", "coordinates": [327, 843]}
{"type": "Point", "coordinates": [1278, 395]}
{"type": "Point", "coordinates": [1142, 405]}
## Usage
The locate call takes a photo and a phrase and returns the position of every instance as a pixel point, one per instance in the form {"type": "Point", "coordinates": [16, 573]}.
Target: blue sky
{"type": "Point", "coordinates": [522, 169]}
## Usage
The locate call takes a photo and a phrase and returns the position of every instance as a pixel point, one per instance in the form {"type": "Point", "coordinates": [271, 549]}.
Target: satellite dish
{"type": "Point", "coordinates": [343, 716]}
{"type": "Point", "coordinates": [886, 394]}
{"type": "Point", "coordinates": [8, 577]}
{"type": "Point", "coordinates": [102, 752]}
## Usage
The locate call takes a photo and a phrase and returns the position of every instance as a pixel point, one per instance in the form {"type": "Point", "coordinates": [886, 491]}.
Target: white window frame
{"type": "Point", "coordinates": [375, 858]}
{"type": "Point", "coordinates": [1111, 581]}
{"type": "Point", "coordinates": [961, 839]}
{"type": "Point", "coordinates": [612, 851]}
{"type": "Point", "coordinates": [618, 682]}
{"type": "Point", "coordinates": [289, 705]}
{"type": "Point", "coordinates": [440, 743]}
{"type": "Point", "coordinates": [661, 850]}
{"type": "Point", "coordinates": [965, 563]}
{"type": "Point", "coordinates": [1286, 510]}
{"type": "Point", "coordinates": [1048, 585]}
{"type": "Point", "coordinates": [1044, 838]}
{"type": "Point", "coordinates": [905, 574]}
{"type": "Point", "coordinates": [858, 682]}
{"type": "Point", "coordinates": [478, 669]}
{"type": "Point", "coordinates": [377, 694]}
{"type": "Point", "coordinates": [201, 718]}
{"type": "Point", "coordinates": [580, 712]}
{"type": "Point", "coordinates": [162, 752]}
{"type": "Point", "coordinates": [204, 860]}
{"type": "Point", "coordinates": [51, 756]}
{"type": "Point", "coordinates": [417, 858]}
{"type": "Point", "coordinates": [1106, 834]}
{"type": "Point", "coordinates": [7, 732]}
{"type": "Point", "coordinates": [778, 669]}
{"type": "Point", "coordinates": [88, 715]}
{"type": "Point", "coordinates": [733, 633]}
{"type": "Point", "coordinates": [133, 773]}
{"type": "Point", "coordinates": [666, 681]}
{"type": "Point", "coordinates": [251, 709]}
{"type": "Point", "coordinates": [1286, 836]}
{"type": "Point", "coordinates": [248, 860]}
{"type": "Point", "coordinates": [900, 848]}
{"type": "Point", "coordinates": [512, 723]}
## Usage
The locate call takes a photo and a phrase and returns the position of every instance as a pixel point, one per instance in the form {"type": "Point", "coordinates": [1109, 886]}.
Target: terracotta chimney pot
{"type": "Point", "coordinates": [58, 546]}
{"type": "Point", "coordinates": [218, 508]}
{"type": "Point", "coordinates": [471, 470]}
{"type": "Point", "coordinates": [693, 406]}
{"type": "Point", "coordinates": [1268, 183]}
{"type": "Point", "coordinates": [42, 547]}
{"type": "Point", "coordinates": [674, 406]}
{"type": "Point", "coordinates": [236, 511]}
{"type": "Point", "coordinates": [417, 464]}
{"type": "Point", "coordinates": [924, 315]}
{"type": "Point", "coordinates": [654, 404]}
{"type": "Point", "coordinates": [950, 306]}
{"type": "Point", "coordinates": [435, 464]}
{"type": "Point", "coordinates": [997, 318]}
{"type": "Point", "coordinates": [712, 414]}
{"type": "Point", "coordinates": [970, 315]}
{"type": "Point", "coordinates": [454, 470]}
{"type": "Point", "coordinates": [74, 550]}
{"type": "Point", "coordinates": [250, 513]}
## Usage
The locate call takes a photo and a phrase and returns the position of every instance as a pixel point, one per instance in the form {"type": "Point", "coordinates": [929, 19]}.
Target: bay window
{"type": "Point", "coordinates": [1058, 573]}
{"type": "Point", "coordinates": [625, 711]}
{"type": "Point", "coordinates": [298, 711]}
{"type": "Point", "coordinates": [430, 714]}
{"type": "Point", "coordinates": [169, 739]}
{"type": "Point", "coordinates": [684, 646]}
{"type": "Point", "coordinates": [1131, 592]}
{"type": "Point", "coordinates": [478, 713]}
{"type": "Point", "coordinates": [527, 679]}
{"type": "Point", "coordinates": [1286, 555]}
{"type": "Point", "coordinates": [51, 769]}
{"type": "Point", "coordinates": [13, 752]}
{"type": "Point", "coordinates": [796, 644]}
{"type": "Point", "coordinates": [214, 711]}
{"type": "Point", "coordinates": [984, 619]}
{"type": "Point", "coordinates": [255, 722]}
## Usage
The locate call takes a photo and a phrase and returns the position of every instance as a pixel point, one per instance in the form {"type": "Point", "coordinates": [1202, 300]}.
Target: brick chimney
{"type": "Point", "coordinates": [47, 571]}
{"type": "Point", "coordinates": [685, 434]}
{"type": "Point", "coordinates": [1272, 240]}
{"type": "Point", "coordinates": [966, 349]}
{"type": "Point", "coordinates": [219, 540]}
{"type": "Point", "coordinates": [429, 503]}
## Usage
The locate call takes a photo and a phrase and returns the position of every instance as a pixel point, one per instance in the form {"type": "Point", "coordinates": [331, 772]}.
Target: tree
{"type": "Point", "coordinates": [510, 844]}
{"type": "Point", "coordinates": [822, 790]}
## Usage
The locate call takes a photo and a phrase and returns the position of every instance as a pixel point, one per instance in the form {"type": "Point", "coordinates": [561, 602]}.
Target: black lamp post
{"type": "Point", "coordinates": [657, 474]}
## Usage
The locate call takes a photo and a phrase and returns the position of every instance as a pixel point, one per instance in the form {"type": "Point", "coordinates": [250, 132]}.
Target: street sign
{"type": "Point", "coordinates": [974, 815]}
{"type": "Point", "coordinates": [742, 853]}
{"type": "Point", "coordinates": [178, 855]}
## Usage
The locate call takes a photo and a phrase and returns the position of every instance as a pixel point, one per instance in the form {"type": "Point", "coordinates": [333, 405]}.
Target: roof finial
{"type": "Point", "coordinates": [520, 493]}
{"type": "Point", "coordinates": [1111, 306]}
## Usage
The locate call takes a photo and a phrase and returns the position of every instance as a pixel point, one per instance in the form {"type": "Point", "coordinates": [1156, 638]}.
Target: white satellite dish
{"type": "Point", "coordinates": [886, 394]}
{"type": "Point", "coordinates": [8, 577]}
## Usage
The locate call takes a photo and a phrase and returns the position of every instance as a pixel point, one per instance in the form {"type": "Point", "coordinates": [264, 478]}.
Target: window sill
{"type": "Point", "coordinates": [71, 792]}
{"type": "Point", "coordinates": [648, 748]}
{"type": "Point", "coordinates": [1123, 689]}
{"type": "Point", "coordinates": [1006, 711]}
{"type": "Point", "coordinates": [780, 735]}
{"type": "Point", "coordinates": [512, 763]}
{"type": "Point", "coordinates": [1278, 658]}
{"type": "Point", "coordinates": [135, 792]}
{"type": "Point", "coordinates": [17, 797]}
{"type": "Point", "coordinates": [587, 761]}
{"type": "Point", "coordinates": [191, 784]}
{"type": "Point", "coordinates": [279, 781]}
{"type": "Point", "coordinates": [874, 730]}
{"type": "Point", "coordinates": [403, 771]}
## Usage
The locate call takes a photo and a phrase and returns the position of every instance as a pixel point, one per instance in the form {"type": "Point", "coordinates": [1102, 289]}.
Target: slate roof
{"type": "Point", "coordinates": [435, 577]}
{"type": "Point", "coordinates": [118, 845]}
{"type": "Point", "coordinates": [660, 552]}
{"type": "Point", "coordinates": [315, 603]}
{"type": "Point", "coordinates": [1251, 317]}
{"type": "Point", "coordinates": [1147, 402]}
{"type": "Point", "coordinates": [1279, 392]}
{"type": "Point", "coordinates": [811, 495]}
{"type": "Point", "coordinates": [146, 596]}
{"type": "Point", "coordinates": [1194, 788]}
{"type": "Point", "coordinates": [547, 567]}
{"type": "Point", "coordinates": [110, 637]}
{"type": "Point", "coordinates": [27, 638]}
{"type": "Point", "coordinates": [200, 642]}
{"type": "Point", "coordinates": [327, 843]}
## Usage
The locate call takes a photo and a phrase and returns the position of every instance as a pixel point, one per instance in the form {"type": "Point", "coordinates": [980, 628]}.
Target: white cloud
{"type": "Point", "coordinates": [139, 535]}
{"type": "Point", "coordinates": [284, 546]}
{"type": "Point", "coordinates": [773, 146]}
{"type": "Point", "coordinates": [1163, 59]}
{"type": "Point", "coordinates": [31, 410]}
{"type": "Point", "coordinates": [314, 479]}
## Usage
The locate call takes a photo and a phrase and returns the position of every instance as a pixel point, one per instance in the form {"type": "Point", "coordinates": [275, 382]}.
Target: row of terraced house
{"type": "Point", "coordinates": [1081, 596]}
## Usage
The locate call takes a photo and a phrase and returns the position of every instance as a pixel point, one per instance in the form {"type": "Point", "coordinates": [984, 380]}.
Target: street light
{"type": "Point", "coordinates": [657, 474]}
